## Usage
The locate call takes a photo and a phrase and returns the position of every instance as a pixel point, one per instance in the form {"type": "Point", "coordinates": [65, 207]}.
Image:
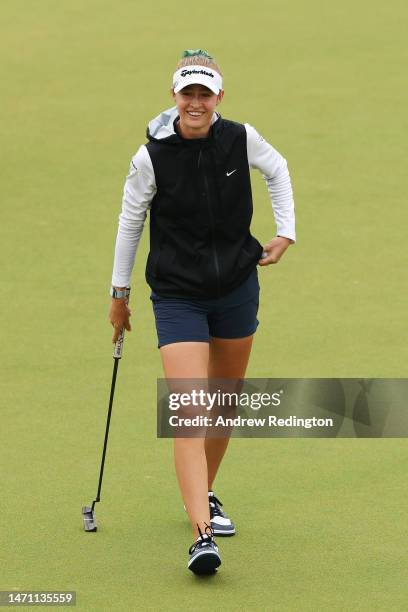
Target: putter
{"type": "Point", "coordinates": [88, 512]}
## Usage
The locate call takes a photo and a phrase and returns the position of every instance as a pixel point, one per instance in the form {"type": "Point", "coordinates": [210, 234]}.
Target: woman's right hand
{"type": "Point", "coordinates": [119, 314]}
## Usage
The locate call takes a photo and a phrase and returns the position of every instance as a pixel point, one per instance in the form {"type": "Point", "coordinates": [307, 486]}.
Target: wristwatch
{"type": "Point", "coordinates": [119, 293]}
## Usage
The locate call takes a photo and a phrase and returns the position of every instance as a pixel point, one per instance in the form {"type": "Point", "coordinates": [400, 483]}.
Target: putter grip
{"type": "Point", "coordinates": [117, 351]}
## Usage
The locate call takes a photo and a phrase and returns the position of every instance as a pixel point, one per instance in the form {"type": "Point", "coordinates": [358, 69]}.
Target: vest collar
{"type": "Point", "coordinates": [163, 128]}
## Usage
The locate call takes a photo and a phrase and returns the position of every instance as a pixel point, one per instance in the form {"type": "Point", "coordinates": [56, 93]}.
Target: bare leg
{"type": "Point", "coordinates": [228, 359]}
{"type": "Point", "coordinates": [190, 360]}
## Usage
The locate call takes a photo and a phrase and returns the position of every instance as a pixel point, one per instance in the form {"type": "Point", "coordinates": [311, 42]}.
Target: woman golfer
{"type": "Point", "coordinates": [193, 176]}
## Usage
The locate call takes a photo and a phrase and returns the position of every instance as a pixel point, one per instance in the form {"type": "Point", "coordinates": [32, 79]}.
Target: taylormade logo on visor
{"type": "Point", "coordinates": [188, 75]}
{"type": "Point", "coordinates": [188, 72]}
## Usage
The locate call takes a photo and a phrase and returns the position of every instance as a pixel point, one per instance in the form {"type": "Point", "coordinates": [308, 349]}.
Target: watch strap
{"type": "Point", "coordinates": [120, 293]}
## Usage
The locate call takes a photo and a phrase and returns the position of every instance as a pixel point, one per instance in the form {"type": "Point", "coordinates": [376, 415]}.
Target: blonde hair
{"type": "Point", "coordinates": [198, 58]}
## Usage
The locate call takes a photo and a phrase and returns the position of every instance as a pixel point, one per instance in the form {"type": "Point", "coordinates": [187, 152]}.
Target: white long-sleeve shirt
{"type": "Point", "coordinates": [140, 188]}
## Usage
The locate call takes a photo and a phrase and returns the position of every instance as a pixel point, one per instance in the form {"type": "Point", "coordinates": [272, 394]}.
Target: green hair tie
{"type": "Point", "coordinates": [192, 52]}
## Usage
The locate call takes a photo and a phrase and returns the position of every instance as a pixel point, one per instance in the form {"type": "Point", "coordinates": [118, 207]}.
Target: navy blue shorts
{"type": "Point", "coordinates": [196, 319]}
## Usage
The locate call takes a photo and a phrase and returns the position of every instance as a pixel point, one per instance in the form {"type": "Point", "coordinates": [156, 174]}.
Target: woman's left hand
{"type": "Point", "coordinates": [274, 250]}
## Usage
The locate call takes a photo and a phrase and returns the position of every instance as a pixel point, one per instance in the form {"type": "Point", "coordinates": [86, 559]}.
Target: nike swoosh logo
{"type": "Point", "coordinates": [229, 173]}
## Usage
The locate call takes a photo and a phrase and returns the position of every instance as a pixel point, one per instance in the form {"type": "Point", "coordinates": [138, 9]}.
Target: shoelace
{"type": "Point", "coordinates": [201, 541]}
{"type": "Point", "coordinates": [215, 509]}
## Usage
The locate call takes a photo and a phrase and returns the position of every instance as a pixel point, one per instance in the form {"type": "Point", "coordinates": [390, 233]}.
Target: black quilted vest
{"type": "Point", "coordinates": [200, 240]}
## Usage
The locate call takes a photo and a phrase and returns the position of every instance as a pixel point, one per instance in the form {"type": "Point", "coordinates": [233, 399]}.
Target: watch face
{"type": "Point", "coordinates": [119, 293]}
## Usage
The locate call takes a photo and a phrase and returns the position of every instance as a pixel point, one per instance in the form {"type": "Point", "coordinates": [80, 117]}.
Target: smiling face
{"type": "Point", "coordinates": [196, 105]}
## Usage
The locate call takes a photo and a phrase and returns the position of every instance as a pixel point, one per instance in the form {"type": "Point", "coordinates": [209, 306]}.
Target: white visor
{"type": "Point", "coordinates": [202, 75]}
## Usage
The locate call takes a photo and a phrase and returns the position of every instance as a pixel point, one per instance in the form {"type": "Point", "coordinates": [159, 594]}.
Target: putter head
{"type": "Point", "coordinates": [89, 518]}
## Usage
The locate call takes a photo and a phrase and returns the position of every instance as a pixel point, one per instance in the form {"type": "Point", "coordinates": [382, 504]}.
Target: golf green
{"type": "Point", "coordinates": [321, 524]}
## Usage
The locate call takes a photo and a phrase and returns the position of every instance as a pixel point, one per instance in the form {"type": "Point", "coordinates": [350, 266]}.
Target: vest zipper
{"type": "Point", "coordinates": [214, 248]}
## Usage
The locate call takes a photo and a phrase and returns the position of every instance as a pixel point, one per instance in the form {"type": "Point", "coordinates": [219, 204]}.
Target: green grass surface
{"type": "Point", "coordinates": [325, 84]}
